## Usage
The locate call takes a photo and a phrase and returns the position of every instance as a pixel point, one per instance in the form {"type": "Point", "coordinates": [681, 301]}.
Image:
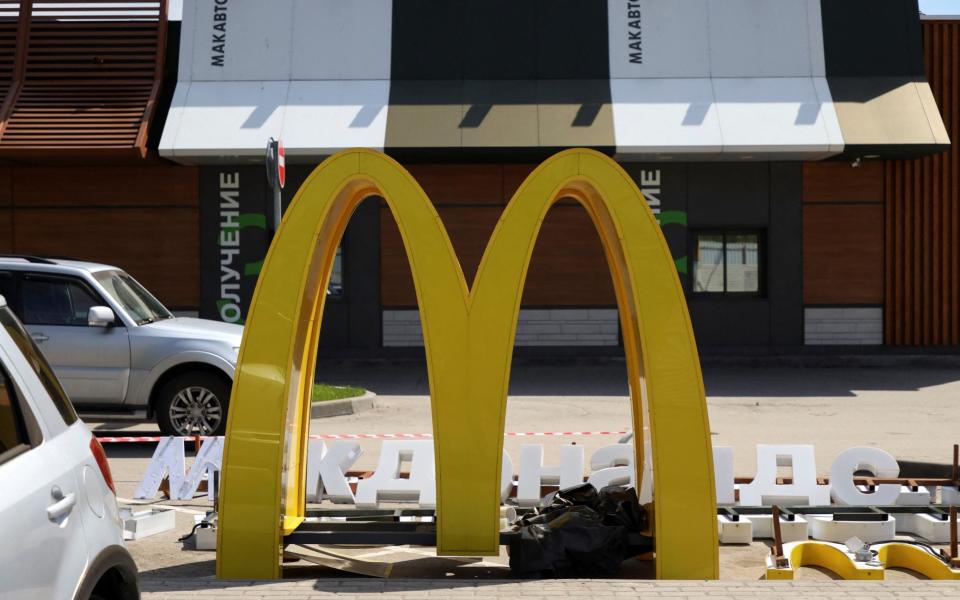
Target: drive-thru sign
{"type": "Point", "coordinates": [468, 336]}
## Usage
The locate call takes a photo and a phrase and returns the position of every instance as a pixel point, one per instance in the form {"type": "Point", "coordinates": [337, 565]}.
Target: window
{"type": "Point", "coordinates": [39, 364]}
{"type": "Point", "coordinates": [6, 287]}
{"type": "Point", "coordinates": [726, 262]}
{"type": "Point", "coordinates": [335, 288]}
{"type": "Point", "coordinates": [13, 431]}
{"type": "Point", "coordinates": [138, 302]}
{"type": "Point", "coordinates": [55, 301]}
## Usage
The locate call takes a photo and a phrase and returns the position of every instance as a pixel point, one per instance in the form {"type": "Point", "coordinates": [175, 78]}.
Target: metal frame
{"type": "Point", "coordinates": [384, 527]}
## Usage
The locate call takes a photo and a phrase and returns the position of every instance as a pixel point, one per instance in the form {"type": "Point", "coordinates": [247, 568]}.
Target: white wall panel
{"type": "Point", "coordinates": [257, 44]}
{"type": "Point", "coordinates": [674, 38]}
{"type": "Point", "coordinates": [829, 113]}
{"type": "Point", "coordinates": [325, 116]}
{"type": "Point", "coordinates": [665, 115]}
{"type": "Point", "coordinates": [229, 118]}
{"type": "Point", "coordinates": [759, 38]}
{"type": "Point", "coordinates": [187, 37]}
{"type": "Point", "coordinates": [818, 66]}
{"type": "Point", "coordinates": [337, 39]}
{"type": "Point", "coordinates": [771, 115]}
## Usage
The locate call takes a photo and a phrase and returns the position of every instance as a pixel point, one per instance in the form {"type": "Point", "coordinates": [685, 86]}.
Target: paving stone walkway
{"type": "Point", "coordinates": [433, 589]}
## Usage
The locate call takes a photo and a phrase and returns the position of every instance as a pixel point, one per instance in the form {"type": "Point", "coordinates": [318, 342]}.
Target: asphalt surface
{"type": "Point", "coordinates": [910, 412]}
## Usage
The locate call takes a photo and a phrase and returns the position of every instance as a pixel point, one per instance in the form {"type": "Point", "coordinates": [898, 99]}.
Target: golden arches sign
{"type": "Point", "coordinates": [468, 335]}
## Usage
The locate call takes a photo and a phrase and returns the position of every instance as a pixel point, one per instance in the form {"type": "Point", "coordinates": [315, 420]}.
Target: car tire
{"type": "Point", "coordinates": [193, 403]}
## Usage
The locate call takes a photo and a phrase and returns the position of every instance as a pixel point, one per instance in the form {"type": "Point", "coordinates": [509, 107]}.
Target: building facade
{"type": "Point", "coordinates": [797, 154]}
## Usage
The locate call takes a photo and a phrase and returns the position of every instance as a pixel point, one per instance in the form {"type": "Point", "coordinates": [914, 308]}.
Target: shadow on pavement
{"type": "Point", "coordinates": [607, 377]}
{"type": "Point", "coordinates": [410, 575]}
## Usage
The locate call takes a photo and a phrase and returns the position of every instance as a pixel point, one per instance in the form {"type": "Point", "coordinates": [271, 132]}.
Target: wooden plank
{"type": "Point", "coordinates": [469, 229]}
{"type": "Point", "coordinates": [66, 186]}
{"type": "Point", "coordinates": [168, 264]}
{"type": "Point", "coordinates": [839, 182]}
{"type": "Point", "coordinates": [480, 184]}
{"type": "Point", "coordinates": [6, 186]}
{"type": "Point", "coordinates": [843, 254]}
{"type": "Point", "coordinates": [925, 234]}
{"type": "Point", "coordinates": [568, 267]}
{"type": "Point", "coordinates": [6, 230]}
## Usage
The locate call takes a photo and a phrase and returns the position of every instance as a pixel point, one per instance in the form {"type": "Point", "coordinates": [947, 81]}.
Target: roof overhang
{"type": "Point", "coordinates": [714, 80]}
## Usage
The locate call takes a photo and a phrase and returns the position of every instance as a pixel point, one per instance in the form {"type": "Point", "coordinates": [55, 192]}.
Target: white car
{"type": "Point", "coordinates": [61, 532]}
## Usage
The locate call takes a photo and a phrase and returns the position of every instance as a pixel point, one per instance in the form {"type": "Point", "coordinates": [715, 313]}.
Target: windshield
{"type": "Point", "coordinates": [135, 299]}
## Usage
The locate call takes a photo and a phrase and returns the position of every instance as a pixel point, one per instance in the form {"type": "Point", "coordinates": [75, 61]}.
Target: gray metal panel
{"type": "Point", "coordinates": [760, 38]}
{"type": "Point", "coordinates": [333, 39]}
{"type": "Point", "coordinates": [670, 37]}
{"type": "Point", "coordinates": [730, 321]}
{"type": "Point", "coordinates": [665, 115]}
{"type": "Point", "coordinates": [729, 195]}
{"type": "Point", "coordinates": [784, 265]}
{"type": "Point", "coordinates": [256, 40]}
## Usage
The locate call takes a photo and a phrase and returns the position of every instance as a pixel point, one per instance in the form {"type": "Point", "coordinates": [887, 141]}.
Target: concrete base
{"type": "Point", "coordinates": [824, 528]}
{"type": "Point", "coordinates": [139, 524]}
{"type": "Point", "coordinates": [347, 406]}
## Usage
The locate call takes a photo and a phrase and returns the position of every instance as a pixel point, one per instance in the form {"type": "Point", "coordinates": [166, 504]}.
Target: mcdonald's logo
{"type": "Point", "coordinates": [468, 336]}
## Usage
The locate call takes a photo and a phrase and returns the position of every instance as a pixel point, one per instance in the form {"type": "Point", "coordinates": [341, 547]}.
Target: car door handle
{"type": "Point", "coordinates": [63, 505]}
{"type": "Point", "coordinates": [39, 337]}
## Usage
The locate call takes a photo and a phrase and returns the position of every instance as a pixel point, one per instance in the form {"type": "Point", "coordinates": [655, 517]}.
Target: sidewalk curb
{"type": "Point", "coordinates": [347, 406]}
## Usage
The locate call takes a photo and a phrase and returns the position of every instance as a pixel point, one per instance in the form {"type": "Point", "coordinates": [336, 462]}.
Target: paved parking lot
{"type": "Point", "coordinates": [350, 589]}
{"type": "Point", "coordinates": [909, 412]}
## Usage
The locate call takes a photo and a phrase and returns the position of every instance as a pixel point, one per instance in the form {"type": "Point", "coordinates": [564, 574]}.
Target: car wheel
{"type": "Point", "coordinates": [193, 404]}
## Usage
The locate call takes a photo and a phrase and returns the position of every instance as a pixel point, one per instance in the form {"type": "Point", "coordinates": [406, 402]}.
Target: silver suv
{"type": "Point", "coordinates": [117, 350]}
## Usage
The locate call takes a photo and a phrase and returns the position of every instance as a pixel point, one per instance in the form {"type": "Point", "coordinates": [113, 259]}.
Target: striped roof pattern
{"type": "Point", "coordinates": [641, 79]}
{"type": "Point", "coordinates": [79, 79]}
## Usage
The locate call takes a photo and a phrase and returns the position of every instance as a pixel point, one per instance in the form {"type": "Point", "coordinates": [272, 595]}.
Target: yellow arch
{"type": "Point", "coordinates": [919, 560]}
{"type": "Point", "coordinates": [889, 555]}
{"type": "Point", "coordinates": [825, 555]}
{"type": "Point", "coordinates": [468, 335]}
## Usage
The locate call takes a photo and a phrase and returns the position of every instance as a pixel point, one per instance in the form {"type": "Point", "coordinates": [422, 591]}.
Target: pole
{"type": "Point", "coordinates": [277, 207]}
{"type": "Point", "coordinates": [779, 560]}
{"type": "Point", "coordinates": [272, 158]}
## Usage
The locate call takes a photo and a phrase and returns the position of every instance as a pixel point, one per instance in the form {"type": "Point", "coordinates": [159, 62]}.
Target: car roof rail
{"type": "Point", "coordinates": [30, 259]}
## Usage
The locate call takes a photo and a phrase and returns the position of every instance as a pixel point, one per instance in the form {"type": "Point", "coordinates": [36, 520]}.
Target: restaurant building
{"type": "Point", "coordinates": [797, 154]}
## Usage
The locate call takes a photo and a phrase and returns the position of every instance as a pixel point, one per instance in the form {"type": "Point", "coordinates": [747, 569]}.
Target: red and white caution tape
{"type": "Point", "coordinates": [376, 436]}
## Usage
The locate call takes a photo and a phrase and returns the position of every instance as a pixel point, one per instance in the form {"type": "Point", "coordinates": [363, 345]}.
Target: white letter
{"type": "Point", "coordinates": [208, 461]}
{"type": "Point", "coordinates": [612, 465]}
{"type": "Point", "coordinates": [386, 484]}
{"type": "Point", "coordinates": [167, 458]}
{"type": "Point", "coordinates": [533, 473]}
{"type": "Point", "coordinates": [950, 494]}
{"type": "Point", "coordinates": [506, 477]}
{"type": "Point", "coordinates": [874, 460]}
{"type": "Point", "coordinates": [333, 465]}
{"type": "Point", "coordinates": [803, 490]}
{"type": "Point", "coordinates": [723, 474]}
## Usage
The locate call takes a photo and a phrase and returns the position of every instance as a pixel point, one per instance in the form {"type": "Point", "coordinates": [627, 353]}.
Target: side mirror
{"type": "Point", "coordinates": [100, 316]}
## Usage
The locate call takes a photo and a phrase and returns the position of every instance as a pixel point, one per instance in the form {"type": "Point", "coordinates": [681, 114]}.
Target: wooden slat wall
{"type": "Point", "coordinates": [922, 262]}
{"type": "Point", "coordinates": [8, 50]}
{"type": "Point", "coordinates": [144, 219]}
{"type": "Point", "coordinates": [568, 267]}
{"type": "Point", "coordinates": [86, 77]}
